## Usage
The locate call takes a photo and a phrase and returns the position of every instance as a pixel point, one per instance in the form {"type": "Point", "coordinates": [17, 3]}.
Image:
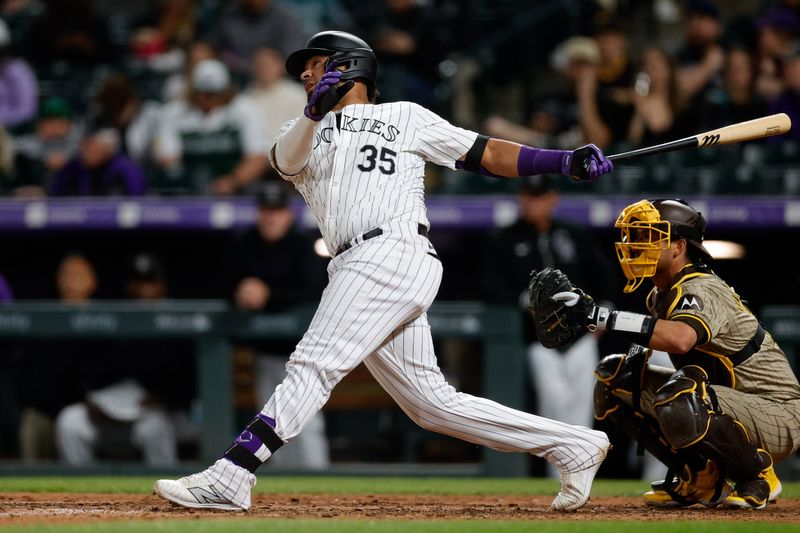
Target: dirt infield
{"type": "Point", "coordinates": [28, 508]}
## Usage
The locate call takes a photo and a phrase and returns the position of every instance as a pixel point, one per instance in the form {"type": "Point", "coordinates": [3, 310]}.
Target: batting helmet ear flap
{"type": "Point", "coordinates": [360, 64]}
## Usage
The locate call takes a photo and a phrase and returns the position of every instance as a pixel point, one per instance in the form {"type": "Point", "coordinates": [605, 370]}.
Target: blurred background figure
{"type": "Point", "coordinates": [561, 379]}
{"type": "Point", "coordinates": [738, 100]}
{"type": "Point", "coordinates": [273, 268]}
{"type": "Point", "coordinates": [319, 15]}
{"type": "Point", "coordinates": [554, 120]}
{"type": "Point", "coordinates": [210, 144]}
{"type": "Point", "coordinates": [657, 111]}
{"type": "Point", "coordinates": [788, 101]}
{"type": "Point", "coordinates": [137, 398]}
{"type": "Point", "coordinates": [700, 60]}
{"type": "Point", "coordinates": [71, 31]}
{"type": "Point", "coordinates": [408, 42]}
{"type": "Point", "coordinates": [777, 31]}
{"type": "Point", "coordinates": [177, 86]}
{"type": "Point", "coordinates": [272, 94]}
{"type": "Point", "coordinates": [246, 25]}
{"type": "Point", "coordinates": [100, 168]}
{"type": "Point", "coordinates": [161, 34]}
{"type": "Point", "coordinates": [18, 88]}
{"type": "Point", "coordinates": [39, 156]}
{"type": "Point", "coordinates": [53, 369]}
{"type": "Point", "coordinates": [118, 104]}
{"type": "Point", "coordinates": [604, 93]}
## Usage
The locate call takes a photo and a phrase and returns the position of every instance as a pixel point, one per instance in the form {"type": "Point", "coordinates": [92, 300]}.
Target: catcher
{"type": "Point", "coordinates": [730, 409]}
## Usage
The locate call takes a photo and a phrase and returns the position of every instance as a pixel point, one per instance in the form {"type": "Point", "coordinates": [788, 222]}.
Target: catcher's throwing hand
{"type": "Point", "coordinates": [561, 312]}
{"type": "Point", "coordinates": [327, 93]}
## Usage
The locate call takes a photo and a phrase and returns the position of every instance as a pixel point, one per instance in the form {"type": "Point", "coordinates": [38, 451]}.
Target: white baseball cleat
{"type": "Point", "coordinates": [223, 486]}
{"type": "Point", "coordinates": [576, 486]}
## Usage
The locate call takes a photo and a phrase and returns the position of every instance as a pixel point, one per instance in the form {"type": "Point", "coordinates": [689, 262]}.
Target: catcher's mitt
{"type": "Point", "coordinates": [559, 321]}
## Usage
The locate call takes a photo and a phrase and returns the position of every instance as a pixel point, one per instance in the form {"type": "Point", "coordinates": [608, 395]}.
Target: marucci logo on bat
{"type": "Point", "coordinates": [710, 140]}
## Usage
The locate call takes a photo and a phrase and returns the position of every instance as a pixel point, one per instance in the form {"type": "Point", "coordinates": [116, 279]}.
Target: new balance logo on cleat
{"type": "Point", "coordinates": [207, 495]}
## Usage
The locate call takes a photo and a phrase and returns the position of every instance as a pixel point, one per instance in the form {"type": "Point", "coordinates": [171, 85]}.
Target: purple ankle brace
{"type": "Point", "coordinates": [260, 432]}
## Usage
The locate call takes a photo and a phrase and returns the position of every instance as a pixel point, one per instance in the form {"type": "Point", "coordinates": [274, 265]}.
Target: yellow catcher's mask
{"type": "Point", "coordinates": [642, 234]}
{"type": "Point", "coordinates": [647, 228]}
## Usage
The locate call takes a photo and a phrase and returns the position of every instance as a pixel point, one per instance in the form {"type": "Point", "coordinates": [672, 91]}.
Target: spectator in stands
{"type": "Point", "coordinates": [138, 397]}
{"type": "Point", "coordinates": [738, 100]}
{"type": "Point", "coordinates": [177, 86]}
{"type": "Point", "coordinates": [789, 100]}
{"type": "Point", "coordinates": [273, 268]}
{"type": "Point", "coordinates": [701, 60]}
{"type": "Point", "coordinates": [18, 89]}
{"type": "Point", "coordinates": [554, 118]}
{"type": "Point", "coordinates": [408, 42]}
{"type": "Point", "coordinates": [71, 31]}
{"type": "Point", "coordinates": [246, 25]}
{"type": "Point", "coordinates": [275, 97]}
{"type": "Point", "coordinates": [777, 32]}
{"type": "Point", "coordinates": [656, 100]}
{"type": "Point", "coordinates": [211, 144]}
{"type": "Point", "coordinates": [160, 36]}
{"type": "Point", "coordinates": [118, 104]}
{"type": "Point", "coordinates": [100, 168]}
{"type": "Point", "coordinates": [604, 94]}
{"type": "Point", "coordinates": [20, 15]}
{"type": "Point", "coordinates": [319, 15]}
{"type": "Point", "coordinates": [41, 155]}
{"type": "Point", "coordinates": [561, 378]}
{"type": "Point", "coordinates": [52, 368]}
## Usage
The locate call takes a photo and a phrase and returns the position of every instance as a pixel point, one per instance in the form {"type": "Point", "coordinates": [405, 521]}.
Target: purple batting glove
{"type": "Point", "coordinates": [327, 93]}
{"type": "Point", "coordinates": [587, 163]}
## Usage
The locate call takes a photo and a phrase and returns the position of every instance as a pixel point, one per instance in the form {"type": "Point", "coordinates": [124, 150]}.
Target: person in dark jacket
{"type": "Point", "coordinates": [100, 169]}
{"type": "Point", "coordinates": [562, 379]}
{"type": "Point", "coordinates": [273, 268]}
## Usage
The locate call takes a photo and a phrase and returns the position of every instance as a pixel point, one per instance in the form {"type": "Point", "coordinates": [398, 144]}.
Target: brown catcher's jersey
{"type": "Point", "coordinates": [725, 327]}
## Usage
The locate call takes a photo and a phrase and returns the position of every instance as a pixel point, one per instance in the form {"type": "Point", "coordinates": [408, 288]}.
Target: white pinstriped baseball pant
{"type": "Point", "coordinates": [374, 310]}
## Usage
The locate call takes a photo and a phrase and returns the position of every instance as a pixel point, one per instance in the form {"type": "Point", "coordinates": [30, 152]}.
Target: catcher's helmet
{"type": "Point", "coordinates": [645, 225]}
{"type": "Point", "coordinates": [343, 47]}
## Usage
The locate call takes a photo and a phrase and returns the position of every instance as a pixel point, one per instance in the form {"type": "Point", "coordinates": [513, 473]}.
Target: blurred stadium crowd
{"type": "Point", "coordinates": [180, 97]}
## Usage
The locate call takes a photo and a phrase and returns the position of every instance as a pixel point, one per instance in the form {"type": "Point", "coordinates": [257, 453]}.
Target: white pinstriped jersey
{"type": "Point", "coordinates": [367, 166]}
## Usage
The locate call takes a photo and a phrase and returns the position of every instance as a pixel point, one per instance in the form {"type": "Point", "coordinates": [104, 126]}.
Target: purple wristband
{"type": "Point", "coordinates": [541, 161]}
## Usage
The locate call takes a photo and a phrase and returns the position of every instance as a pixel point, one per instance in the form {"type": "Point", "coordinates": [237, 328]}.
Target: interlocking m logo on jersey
{"type": "Point", "coordinates": [709, 140]}
{"type": "Point", "coordinates": [691, 301]}
{"type": "Point", "coordinates": [207, 495]}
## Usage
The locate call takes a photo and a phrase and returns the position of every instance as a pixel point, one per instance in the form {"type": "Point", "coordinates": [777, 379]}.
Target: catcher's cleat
{"type": "Point", "coordinates": [756, 493]}
{"type": "Point", "coordinates": [703, 487]}
{"type": "Point", "coordinates": [224, 486]}
{"type": "Point", "coordinates": [576, 486]}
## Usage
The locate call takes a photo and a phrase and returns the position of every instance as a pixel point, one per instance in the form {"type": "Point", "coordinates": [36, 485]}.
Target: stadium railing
{"type": "Point", "coordinates": [213, 325]}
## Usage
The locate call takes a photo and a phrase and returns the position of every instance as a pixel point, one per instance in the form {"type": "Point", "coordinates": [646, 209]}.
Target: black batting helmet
{"type": "Point", "coordinates": [343, 47]}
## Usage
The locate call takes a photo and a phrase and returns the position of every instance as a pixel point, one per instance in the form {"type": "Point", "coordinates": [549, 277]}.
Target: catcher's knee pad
{"type": "Point", "coordinates": [683, 407]}
{"type": "Point", "coordinates": [605, 403]}
{"type": "Point", "coordinates": [621, 375]}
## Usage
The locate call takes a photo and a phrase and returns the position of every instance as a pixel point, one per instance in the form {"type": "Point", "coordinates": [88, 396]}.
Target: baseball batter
{"type": "Point", "coordinates": [733, 405]}
{"type": "Point", "coordinates": [360, 168]}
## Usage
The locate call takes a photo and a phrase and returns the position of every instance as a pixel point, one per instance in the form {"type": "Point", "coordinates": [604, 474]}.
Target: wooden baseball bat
{"type": "Point", "coordinates": [749, 130]}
